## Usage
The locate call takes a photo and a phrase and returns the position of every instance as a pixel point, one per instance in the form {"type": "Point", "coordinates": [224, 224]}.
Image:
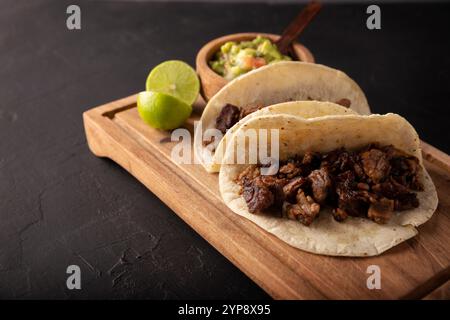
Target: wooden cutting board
{"type": "Point", "coordinates": [412, 269]}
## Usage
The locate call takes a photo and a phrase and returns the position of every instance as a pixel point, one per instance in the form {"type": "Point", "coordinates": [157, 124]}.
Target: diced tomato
{"type": "Point", "coordinates": [253, 62]}
{"type": "Point", "coordinates": [259, 62]}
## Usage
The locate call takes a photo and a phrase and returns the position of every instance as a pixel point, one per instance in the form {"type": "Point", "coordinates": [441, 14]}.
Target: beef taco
{"type": "Point", "coordinates": [344, 185]}
{"type": "Point", "coordinates": [303, 109]}
{"type": "Point", "coordinates": [272, 84]}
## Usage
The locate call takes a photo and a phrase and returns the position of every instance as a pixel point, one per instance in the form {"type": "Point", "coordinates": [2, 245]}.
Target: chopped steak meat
{"type": "Point", "coordinates": [344, 102]}
{"type": "Point", "coordinates": [246, 176]}
{"type": "Point", "coordinates": [320, 183]}
{"type": "Point", "coordinates": [304, 211]}
{"type": "Point", "coordinates": [339, 214]}
{"type": "Point", "coordinates": [231, 114]}
{"type": "Point", "coordinates": [406, 201]}
{"type": "Point", "coordinates": [381, 210]}
{"type": "Point", "coordinates": [258, 197]}
{"type": "Point", "coordinates": [276, 186]}
{"type": "Point", "coordinates": [309, 207]}
{"type": "Point", "coordinates": [228, 116]}
{"type": "Point", "coordinates": [310, 158]}
{"type": "Point", "coordinates": [372, 182]}
{"type": "Point", "coordinates": [246, 111]}
{"type": "Point", "coordinates": [375, 164]}
{"type": "Point", "coordinates": [291, 188]}
{"type": "Point", "coordinates": [290, 170]}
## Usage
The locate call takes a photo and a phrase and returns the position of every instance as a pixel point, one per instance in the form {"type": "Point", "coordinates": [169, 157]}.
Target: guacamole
{"type": "Point", "coordinates": [236, 58]}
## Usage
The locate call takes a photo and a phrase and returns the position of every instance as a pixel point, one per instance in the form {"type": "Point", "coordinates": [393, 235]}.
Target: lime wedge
{"type": "Point", "coordinates": [175, 78]}
{"type": "Point", "coordinates": [162, 111]}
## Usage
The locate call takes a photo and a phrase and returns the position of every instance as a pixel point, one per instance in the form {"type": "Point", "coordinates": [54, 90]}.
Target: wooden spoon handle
{"type": "Point", "coordinates": [295, 28]}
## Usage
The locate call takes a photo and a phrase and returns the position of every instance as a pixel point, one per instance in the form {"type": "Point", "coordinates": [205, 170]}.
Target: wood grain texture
{"type": "Point", "coordinates": [441, 293]}
{"type": "Point", "coordinates": [410, 270]}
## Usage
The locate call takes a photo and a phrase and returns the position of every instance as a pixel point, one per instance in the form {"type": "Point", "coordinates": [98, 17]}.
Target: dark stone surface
{"type": "Point", "coordinates": [60, 205]}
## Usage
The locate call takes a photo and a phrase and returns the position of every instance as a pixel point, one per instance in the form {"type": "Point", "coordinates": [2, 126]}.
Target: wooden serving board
{"type": "Point", "coordinates": [413, 269]}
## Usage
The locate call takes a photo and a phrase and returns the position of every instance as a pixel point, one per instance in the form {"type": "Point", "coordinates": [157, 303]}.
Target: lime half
{"type": "Point", "coordinates": [175, 78]}
{"type": "Point", "coordinates": [161, 110]}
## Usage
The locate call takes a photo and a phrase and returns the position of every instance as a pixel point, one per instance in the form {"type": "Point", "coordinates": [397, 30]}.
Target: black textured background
{"type": "Point", "coordinates": [59, 205]}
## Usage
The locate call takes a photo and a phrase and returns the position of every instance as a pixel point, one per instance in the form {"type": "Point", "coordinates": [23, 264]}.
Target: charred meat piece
{"type": "Point", "coordinates": [309, 207]}
{"type": "Point", "coordinates": [344, 102]}
{"type": "Point", "coordinates": [371, 182]}
{"type": "Point", "coordinates": [246, 111]}
{"type": "Point", "coordinates": [258, 197]}
{"type": "Point", "coordinates": [339, 214]}
{"type": "Point", "coordinates": [390, 189]}
{"type": "Point", "coordinates": [228, 116]}
{"type": "Point", "coordinates": [353, 205]}
{"type": "Point", "coordinates": [275, 185]}
{"type": "Point", "coordinates": [311, 158]}
{"type": "Point", "coordinates": [291, 188]}
{"type": "Point", "coordinates": [406, 201]}
{"type": "Point", "coordinates": [362, 186]}
{"type": "Point", "coordinates": [248, 175]}
{"type": "Point", "coordinates": [309, 162]}
{"type": "Point", "coordinates": [333, 160]}
{"type": "Point", "coordinates": [304, 211]}
{"type": "Point", "coordinates": [345, 182]}
{"type": "Point", "coordinates": [339, 161]}
{"type": "Point", "coordinates": [291, 211]}
{"type": "Point", "coordinates": [406, 171]}
{"type": "Point", "coordinates": [320, 184]}
{"type": "Point", "coordinates": [375, 164]}
{"type": "Point", "coordinates": [381, 210]}
{"type": "Point", "coordinates": [290, 170]}
{"type": "Point", "coordinates": [259, 191]}
{"type": "Point", "coordinates": [349, 199]}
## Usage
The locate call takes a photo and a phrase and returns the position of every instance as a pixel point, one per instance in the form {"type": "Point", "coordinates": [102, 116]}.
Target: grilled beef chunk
{"type": "Point", "coordinates": [311, 159]}
{"type": "Point", "coordinates": [344, 102]}
{"type": "Point", "coordinates": [339, 214]}
{"type": "Point", "coordinates": [305, 211]}
{"type": "Point", "coordinates": [309, 206]}
{"type": "Point", "coordinates": [372, 183]}
{"type": "Point", "coordinates": [320, 183]}
{"type": "Point", "coordinates": [276, 186]}
{"type": "Point", "coordinates": [405, 170]}
{"type": "Point", "coordinates": [228, 116]}
{"type": "Point", "coordinates": [291, 211]}
{"type": "Point", "coordinates": [258, 197]}
{"type": "Point", "coordinates": [339, 160]}
{"type": "Point", "coordinates": [375, 164]}
{"type": "Point", "coordinates": [291, 188]}
{"type": "Point", "coordinates": [406, 201]}
{"type": "Point", "coordinates": [246, 176]}
{"type": "Point", "coordinates": [390, 189]}
{"type": "Point", "coordinates": [246, 111]}
{"type": "Point", "coordinates": [290, 170]}
{"type": "Point", "coordinates": [381, 211]}
{"type": "Point", "coordinates": [259, 191]}
{"type": "Point", "coordinates": [231, 114]}
{"type": "Point", "coordinates": [362, 186]}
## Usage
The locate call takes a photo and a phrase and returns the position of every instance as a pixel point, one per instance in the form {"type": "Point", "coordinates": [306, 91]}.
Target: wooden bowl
{"type": "Point", "coordinates": [213, 82]}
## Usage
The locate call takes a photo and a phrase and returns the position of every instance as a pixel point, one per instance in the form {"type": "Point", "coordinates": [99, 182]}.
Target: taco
{"type": "Point", "coordinates": [272, 84]}
{"type": "Point", "coordinates": [344, 185]}
{"type": "Point", "coordinates": [303, 109]}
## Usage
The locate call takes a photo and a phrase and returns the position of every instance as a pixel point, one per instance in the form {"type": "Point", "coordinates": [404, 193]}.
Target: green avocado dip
{"type": "Point", "coordinates": [236, 58]}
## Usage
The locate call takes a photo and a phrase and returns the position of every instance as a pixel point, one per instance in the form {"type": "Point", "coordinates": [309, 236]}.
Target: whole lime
{"type": "Point", "coordinates": [162, 111]}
